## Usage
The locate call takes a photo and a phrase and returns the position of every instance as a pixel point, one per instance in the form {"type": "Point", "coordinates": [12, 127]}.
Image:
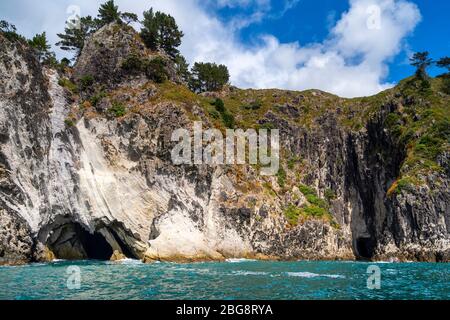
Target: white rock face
{"type": "Point", "coordinates": [113, 191]}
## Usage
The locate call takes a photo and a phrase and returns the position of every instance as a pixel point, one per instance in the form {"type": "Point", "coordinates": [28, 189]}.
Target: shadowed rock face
{"type": "Point", "coordinates": [106, 187]}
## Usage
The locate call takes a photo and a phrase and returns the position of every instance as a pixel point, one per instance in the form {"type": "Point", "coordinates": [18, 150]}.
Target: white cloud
{"type": "Point", "coordinates": [243, 3]}
{"type": "Point", "coordinates": [352, 61]}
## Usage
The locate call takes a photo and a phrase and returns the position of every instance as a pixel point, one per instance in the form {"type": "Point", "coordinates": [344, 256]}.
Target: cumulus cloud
{"type": "Point", "coordinates": [243, 3]}
{"type": "Point", "coordinates": [352, 61]}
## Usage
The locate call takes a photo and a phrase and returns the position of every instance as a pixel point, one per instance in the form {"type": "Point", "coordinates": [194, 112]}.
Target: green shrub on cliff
{"type": "Point", "coordinates": [316, 208]}
{"type": "Point", "coordinates": [228, 120]}
{"type": "Point", "coordinates": [307, 190]}
{"type": "Point", "coordinates": [95, 99]}
{"type": "Point", "coordinates": [69, 85]}
{"type": "Point", "coordinates": [254, 105]}
{"type": "Point", "coordinates": [429, 146]}
{"type": "Point", "coordinates": [133, 63]}
{"type": "Point", "coordinates": [86, 82]}
{"type": "Point", "coordinates": [220, 106]}
{"type": "Point", "coordinates": [292, 214]}
{"type": "Point", "coordinates": [281, 177]}
{"type": "Point", "coordinates": [227, 117]}
{"type": "Point", "coordinates": [118, 109]}
{"type": "Point", "coordinates": [155, 70]}
{"type": "Point", "coordinates": [314, 211]}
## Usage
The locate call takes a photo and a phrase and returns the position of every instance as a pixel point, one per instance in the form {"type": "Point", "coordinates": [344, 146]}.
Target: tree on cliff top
{"type": "Point", "coordinates": [9, 31]}
{"type": "Point", "coordinates": [108, 13]}
{"type": "Point", "coordinates": [160, 31]}
{"type": "Point", "coordinates": [129, 17]}
{"type": "Point", "coordinates": [182, 68]}
{"type": "Point", "coordinates": [444, 62]}
{"type": "Point", "coordinates": [208, 77]}
{"type": "Point", "coordinates": [74, 35]}
{"type": "Point", "coordinates": [41, 47]}
{"type": "Point", "coordinates": [421, 61]}
{"type": "Point", "coordinates": [78, 30]}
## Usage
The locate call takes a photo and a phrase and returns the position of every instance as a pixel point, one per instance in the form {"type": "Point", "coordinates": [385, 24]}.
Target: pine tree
{"type": "Point", "coordinates": [42, 48]}
{"type": "Point", "coordinates": [160, 31]}
{"type": "Point", "coordinates": [444, 63]}
{"type": "Point", "coordinates": [149, 32]}
{"type": "Point", "coordinates": [421, 61]}
{"type": "Point", "coordinates": [9, 31]}
{"type": "Point", "coordinates": [128, 17]}
{"type": "Point", "coordinates": [6, 27]}
{"type": "Point", "coordinates": [108, 13]}
{"type": "Point", "coordinates": [208, 77]}
{"type": "Point", "coordinates": [73, 39]}
{"type": "Point", "coordinates": [182, 68]}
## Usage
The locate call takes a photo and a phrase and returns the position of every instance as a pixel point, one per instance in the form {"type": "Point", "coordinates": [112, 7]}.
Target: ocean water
{"type": "Point", "coordinates": [234, 279]}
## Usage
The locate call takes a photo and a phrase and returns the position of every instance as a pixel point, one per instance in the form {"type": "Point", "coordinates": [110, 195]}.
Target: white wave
{"type": "Point", "coordinates": [313, 275]}
{"type": "Point", "coordinates": [249, 273]}
{"type": "Point", "coordinates": [35, 264]}
{"type": "Point", "coordinates": [129, 261]}
{"type": "Point", "coordinates": [238, 260]}
{"type": "Point", "coordinates": [193, 270]}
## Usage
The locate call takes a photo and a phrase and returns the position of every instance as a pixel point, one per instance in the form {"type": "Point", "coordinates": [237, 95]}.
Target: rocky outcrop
{"type": "Point", "coordinates": [106, 52]}
{"type": "Point", "coordinates": [103, 186]}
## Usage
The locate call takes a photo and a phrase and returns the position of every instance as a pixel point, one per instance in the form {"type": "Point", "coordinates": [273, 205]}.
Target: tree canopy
{"type": "Point", "coordinates": [9, 31]}
{"type": "Point", "coordinates": [40, 44]}
{"type": "Point", "coordinates": [208, 77]}
{"type": "Point", "coordinates": [182, 68]}
{"type": "Point", "coordinates": [7, 27]}
{"type": "Point", "coordinates": [129, 17]}
{"type": "Point", "coordinates": [108, 13]}
{"type": "Point", "coordinates": [421, 61]}
{"type": "Point", "coordinates": [444, 62]}
{"type": "Point", "coordinates": [73, 39]}
{"type": "Point", "coordinates": [160, 31]}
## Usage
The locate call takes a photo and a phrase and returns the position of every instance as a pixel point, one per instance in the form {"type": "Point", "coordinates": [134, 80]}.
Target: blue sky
{"type": "Point", "coordinates": [310, 21]}
{"type": "Point", "coordinates": [347, 47]}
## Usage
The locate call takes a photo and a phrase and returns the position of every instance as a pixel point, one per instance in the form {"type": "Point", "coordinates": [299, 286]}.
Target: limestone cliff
{"type": "Point", "coordinates": [86, 172]}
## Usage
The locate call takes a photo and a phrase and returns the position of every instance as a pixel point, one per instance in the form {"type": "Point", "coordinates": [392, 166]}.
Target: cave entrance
{"type": "Point", "coordinates": [365, 247]}
{"type": "Point", "coordinates": [70, 241]}
{"type": "Point", "coordinates": [96, 246]}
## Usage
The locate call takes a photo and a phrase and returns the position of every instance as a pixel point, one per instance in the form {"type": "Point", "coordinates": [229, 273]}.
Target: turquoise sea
{"type": "Point", "coordinates": [235, 279]}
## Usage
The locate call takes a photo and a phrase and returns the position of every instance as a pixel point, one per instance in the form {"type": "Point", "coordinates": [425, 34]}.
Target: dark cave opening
{"type": "Point", "coordinates": [96, 246]}
{"type": "Point", "coordinates": [71, 241]}
{"type": "Point", "coordinates": [365, 247]}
